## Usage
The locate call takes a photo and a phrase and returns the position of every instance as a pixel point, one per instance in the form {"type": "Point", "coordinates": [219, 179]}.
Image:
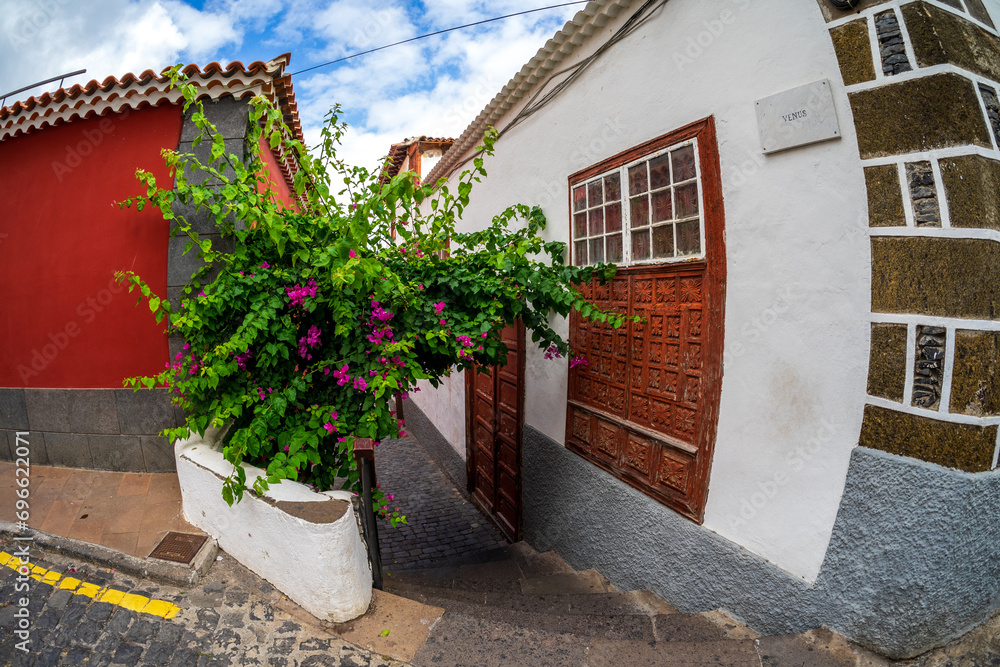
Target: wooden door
{"type": "Point", "coordinates": [494, 407]}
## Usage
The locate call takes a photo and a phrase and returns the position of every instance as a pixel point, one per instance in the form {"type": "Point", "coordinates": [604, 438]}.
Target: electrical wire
{"type": "Point", "coordinates": [439, 32]}
{"type": "Point", "coordinates": [646, 12]}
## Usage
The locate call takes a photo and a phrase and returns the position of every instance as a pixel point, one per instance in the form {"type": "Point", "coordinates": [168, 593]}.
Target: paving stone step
{"type": "Point", "coordinates": [485, 577]}
{"type": "Point", "coordinates": [464, 639]}
{"type": "Point", "coordinates": [629, 602]}
{"type": "Point", "coordinates": [618, 626]}
{"type": "Point", "coordinates": [582, 582]}
{"type": "Point", "coordinates": [661, 628]}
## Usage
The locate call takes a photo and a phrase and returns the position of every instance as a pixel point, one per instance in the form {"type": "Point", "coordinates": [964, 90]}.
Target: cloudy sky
{"type": "Point", "coordinates": [434, 86]}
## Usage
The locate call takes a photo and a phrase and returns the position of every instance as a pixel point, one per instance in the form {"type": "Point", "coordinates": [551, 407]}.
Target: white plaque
{"type": "Point", "coordinates": [796, 117]}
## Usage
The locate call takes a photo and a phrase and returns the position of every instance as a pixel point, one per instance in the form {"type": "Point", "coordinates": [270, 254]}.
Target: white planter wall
{"type": "Point", "coordinates": [321, 566]}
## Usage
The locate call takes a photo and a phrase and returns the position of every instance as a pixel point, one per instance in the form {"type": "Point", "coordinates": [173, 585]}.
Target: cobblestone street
{"type": "Point", "coordinates": [232, 618]}
{"type": "Point", "coordinates": [442, 524]}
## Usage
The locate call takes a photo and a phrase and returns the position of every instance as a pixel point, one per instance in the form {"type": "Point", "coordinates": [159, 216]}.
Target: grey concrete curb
{"type": "Point", "coordinates": [147, 568]}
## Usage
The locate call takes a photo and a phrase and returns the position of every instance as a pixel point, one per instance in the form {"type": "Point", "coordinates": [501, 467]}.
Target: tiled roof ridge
{"type": "Point", "coordinates": [97, 98]}
{"type": "Point", "coordinates": [577, 31]}
{"type": "Point", "coordinates": [397, 153]}
{"type": "Point", "coordinates": [424, 137]}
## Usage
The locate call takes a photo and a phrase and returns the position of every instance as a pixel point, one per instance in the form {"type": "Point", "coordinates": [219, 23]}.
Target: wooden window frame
{"type": "Point", "coordinates": [624, 202]}
{"type": "Point", "coordinates": [710, 270]}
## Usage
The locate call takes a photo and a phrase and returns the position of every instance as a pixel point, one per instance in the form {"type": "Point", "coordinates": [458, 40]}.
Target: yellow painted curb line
{"type": "Point", "coordinates": [131, 601]}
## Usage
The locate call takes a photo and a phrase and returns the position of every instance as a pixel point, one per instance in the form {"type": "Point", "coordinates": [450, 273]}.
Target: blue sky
{"type": "Point", "coordinates": [434, 86]}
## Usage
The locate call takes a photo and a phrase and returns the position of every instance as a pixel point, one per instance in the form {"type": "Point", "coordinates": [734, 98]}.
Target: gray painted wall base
{"type": "Point", "coordinates": [914, 559]}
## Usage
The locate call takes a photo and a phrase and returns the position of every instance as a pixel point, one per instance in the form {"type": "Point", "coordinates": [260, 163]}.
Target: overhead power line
{"type": "Point", "coordinates": [439, 32]}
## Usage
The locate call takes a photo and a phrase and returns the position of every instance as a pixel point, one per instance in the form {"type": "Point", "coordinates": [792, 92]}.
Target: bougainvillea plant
{"type": "Point", "coordinates": [300, 335]}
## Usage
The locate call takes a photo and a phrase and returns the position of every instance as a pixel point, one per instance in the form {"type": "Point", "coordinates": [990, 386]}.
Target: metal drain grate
{"type": "Point", "coordinates": [178, 547]}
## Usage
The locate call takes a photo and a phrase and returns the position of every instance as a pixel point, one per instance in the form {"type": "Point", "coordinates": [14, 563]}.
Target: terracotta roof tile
{"type": "Point", "coordinates": [148, 88]}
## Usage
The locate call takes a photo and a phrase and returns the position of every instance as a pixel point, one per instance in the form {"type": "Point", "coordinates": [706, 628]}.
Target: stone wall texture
{"type": "Point", "coordinates": [851, 44]}
{"type": "Point", "coordinates": [104, 429]}
{"type": "Point", "coordinates": [887, 362]}
{"type": "Point", "coordinates": [946, 277]}
{"type": "Point", "coordinates": [937, 111]}
{"type": "Point", "coordinates": [885, 202]}
{"type": "Point", "coordinates": [972, 186]}
{"type": "Point", "coordinates": [909, 542]}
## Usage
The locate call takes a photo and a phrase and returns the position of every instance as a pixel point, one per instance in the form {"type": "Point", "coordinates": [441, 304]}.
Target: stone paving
{"type": "Point", "coordinates": [442, 524]}
{"type": "Point", "coordinates": [232, 618]}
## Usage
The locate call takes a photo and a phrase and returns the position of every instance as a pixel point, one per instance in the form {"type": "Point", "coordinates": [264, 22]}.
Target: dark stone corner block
{"type": "Point", "coordinates": [13, 413]}
{"type": "Point", "coordinates": [922, 114]}
{"type": "Point", "coordinates": [230, 116]}
{"type": "Point", "coordinates": [854, 54]}
{"type": "Point", "coordinates": [120, 453]}
{"type": "Point", "coordinates": [145, 412]}
{"type": "Point", "coordinates": [72, 410]}
{"type": "Point", "coordinates": [71, 450]}
{"type": "Point", "coordinates": [157, 454]}
{"type": "Point", "coordinates": [961, 446]}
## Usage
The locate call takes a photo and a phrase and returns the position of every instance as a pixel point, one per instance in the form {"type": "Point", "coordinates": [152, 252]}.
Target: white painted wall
{"type": "Point", "coordinates": [798, 286]}
{"type": "Point", "coordinates": [445, 406]}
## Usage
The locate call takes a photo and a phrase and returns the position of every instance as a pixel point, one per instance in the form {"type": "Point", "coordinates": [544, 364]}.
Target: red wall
{"type": "Point", "coordinates": [65, 322]}
{"type": "Point", "coordinates": [273, 172]}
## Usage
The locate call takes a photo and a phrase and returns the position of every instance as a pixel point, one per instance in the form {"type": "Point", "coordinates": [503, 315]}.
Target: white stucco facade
{"type": "Point", "coordinates": [798, 266]}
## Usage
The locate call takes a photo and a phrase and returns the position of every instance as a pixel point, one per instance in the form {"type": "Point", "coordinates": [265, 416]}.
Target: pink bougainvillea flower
{"type": "Point", "coordinates": [352, 254]}
{"type": "Point", "coordinates": [342, 376]}
{"type": "Point", "coordinates": [312, 336]}
{"type": "Point", "coordinates": [265, 265]}
{"type": "Point", "coordinates": [333, 414]}
{"type": "Point", "coordinates": [330, 428]}
{"type": "Point", "coordinates": [438, 307]}
{"type": "Point", "coordinates": [298, 293]}
{"type": "Point", "coordinates": [360, 384]}
{"type": "Point", "coordinates": [577, 361]}
{"type": "Point", "coordinates": [442, 322]}
{"type": "Point", "coordinates": [553, 352]}
{"type": "Point", "coordinates": [326, 371]}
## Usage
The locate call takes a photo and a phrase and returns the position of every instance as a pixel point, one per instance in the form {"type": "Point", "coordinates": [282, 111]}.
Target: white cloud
{"type": "Point", "coordinates": [107, 37]}
{"type": "Point", "coordinates": [434, 86]}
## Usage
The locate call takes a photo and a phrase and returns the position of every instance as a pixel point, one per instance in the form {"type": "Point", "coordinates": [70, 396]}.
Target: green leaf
{"type": "Point", "coordinates": [218, 147]}
{"type": "Point", "coordinates": [384, 633]}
